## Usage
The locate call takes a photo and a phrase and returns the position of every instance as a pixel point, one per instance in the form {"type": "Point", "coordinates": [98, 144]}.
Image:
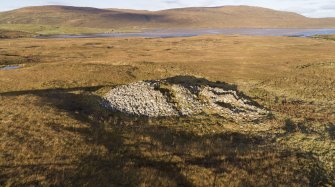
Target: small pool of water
{"type": "Point", "coordinates": [9, 67]}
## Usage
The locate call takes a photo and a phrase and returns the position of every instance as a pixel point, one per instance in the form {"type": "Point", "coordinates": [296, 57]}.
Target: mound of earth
{"type": "Point", "coordinates": [183, 96]}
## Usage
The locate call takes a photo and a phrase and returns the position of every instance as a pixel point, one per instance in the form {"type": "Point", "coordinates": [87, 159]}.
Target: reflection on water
{"type": "Point", "coordinates": [169, 33]}
{"type": "Point", "coordinates": [9, 67]}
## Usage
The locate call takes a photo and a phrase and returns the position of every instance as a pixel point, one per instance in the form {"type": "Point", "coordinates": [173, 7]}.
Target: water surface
{"type": "Point", "coordinates": [169, 33]}
{"type": "Point", "coordinates": [9, 67]}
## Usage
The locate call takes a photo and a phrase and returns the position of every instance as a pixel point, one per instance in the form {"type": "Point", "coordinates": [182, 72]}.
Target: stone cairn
{"type": "Point", "coordinates": [173, 97]}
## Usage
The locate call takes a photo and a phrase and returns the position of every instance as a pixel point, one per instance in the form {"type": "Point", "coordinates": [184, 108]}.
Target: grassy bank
{"type": "Point", "coordinates": [7, 34]}
{"type": "Point", "coordinates": [55, 132]}
{"type": "Point", "coordinates": [327, 37]}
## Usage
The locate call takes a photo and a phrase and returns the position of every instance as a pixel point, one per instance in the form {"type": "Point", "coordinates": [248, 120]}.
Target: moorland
{"type": "Point", "coordinates": [56, 132]}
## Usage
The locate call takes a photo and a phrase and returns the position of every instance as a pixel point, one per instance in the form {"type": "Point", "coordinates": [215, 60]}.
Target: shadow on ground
{"type": "Point", "coordinates": [162, 153]}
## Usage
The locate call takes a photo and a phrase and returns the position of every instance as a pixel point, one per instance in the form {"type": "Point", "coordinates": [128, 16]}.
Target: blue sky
{"type": "Point", "coordinates": [311, 8]}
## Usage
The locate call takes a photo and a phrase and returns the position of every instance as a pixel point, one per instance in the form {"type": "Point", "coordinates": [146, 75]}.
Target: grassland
{"type": "Point", "coordinates": [55, 132]}
{"type": "Point", "coordinates": [326, 37]}
{"type": "Point", "coordinates": [36, 29]}
{"type": "Point", "coordinates": [8, 34]}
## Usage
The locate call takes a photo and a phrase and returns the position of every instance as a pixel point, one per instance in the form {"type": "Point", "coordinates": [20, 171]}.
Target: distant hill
{"type": "Point", "coordinates": [215, 17]}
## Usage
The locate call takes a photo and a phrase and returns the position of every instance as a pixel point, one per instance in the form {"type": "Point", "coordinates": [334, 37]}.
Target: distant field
{"type": "Point", "coordinates": [52, 30]}
{"type": "Point", "coordinates": [54, 131]}
{"type": "Point", "coordinates": [327, 37]}
{"type": "Point", "coordinates": [10, 34]}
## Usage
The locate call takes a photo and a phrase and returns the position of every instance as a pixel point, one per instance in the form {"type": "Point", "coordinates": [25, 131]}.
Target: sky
{"type": "Point", "coordinates": [310, 8]}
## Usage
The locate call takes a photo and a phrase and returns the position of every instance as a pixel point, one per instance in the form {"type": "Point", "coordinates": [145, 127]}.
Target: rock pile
{"type": "Point", "coordinates": [173, 97]}
{"type": "Point", "coordinates": [140, 99]}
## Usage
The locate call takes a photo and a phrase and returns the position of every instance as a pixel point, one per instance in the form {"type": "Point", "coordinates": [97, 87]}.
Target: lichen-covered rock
{"type": "Point", "coordinates": [140, 99]}
{"type": "Point", "coordinates": [231, 105]}
{"type": "Point", "coordinates": [163, 98]}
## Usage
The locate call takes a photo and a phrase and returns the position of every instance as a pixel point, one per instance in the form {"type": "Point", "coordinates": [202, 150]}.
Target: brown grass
{"type": "Point", "coordinates": [55, 132]}
{"type": "Point", "coordinates": [327, 37]}
{"type": "Point", "coordinates": [5, 34]}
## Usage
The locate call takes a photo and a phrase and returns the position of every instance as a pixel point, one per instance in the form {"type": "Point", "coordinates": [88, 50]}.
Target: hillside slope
{"type": "Point", "coordinates": [215, 17]}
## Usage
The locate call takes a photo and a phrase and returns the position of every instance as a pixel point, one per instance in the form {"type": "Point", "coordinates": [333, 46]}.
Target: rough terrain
{"type": "Point", "coordinates": [55, 132]}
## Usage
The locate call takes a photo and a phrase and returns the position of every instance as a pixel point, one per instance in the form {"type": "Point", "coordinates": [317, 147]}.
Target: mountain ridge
{"type": "Point", "coordinates": [190, 17]}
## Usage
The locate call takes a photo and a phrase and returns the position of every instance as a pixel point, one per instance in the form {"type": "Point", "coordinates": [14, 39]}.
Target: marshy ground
{"type": "Point", "coordinates": [54, 130]}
